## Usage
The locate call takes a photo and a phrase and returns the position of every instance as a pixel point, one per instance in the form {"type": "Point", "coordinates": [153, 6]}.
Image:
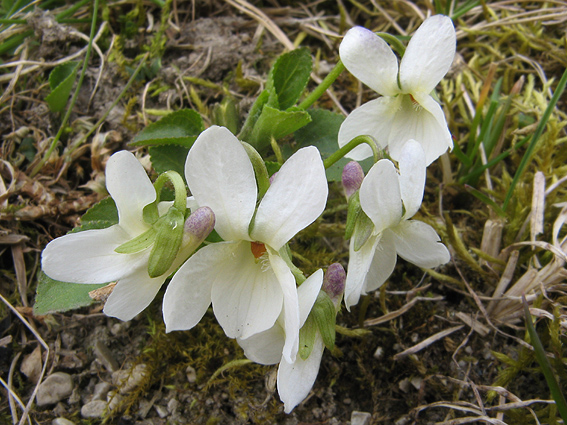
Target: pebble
{"type": "Point", "coordinates": [172, 405]}
{"type": "Point", "coordinates": [113, 400]}
{"type": "Point", "coordinates": [127, 380]}
{"type": "Point", "coordinates": [94, 409]}
{"type": "Point", "coordinates": [379, 353]}
{"type": "Point", "coordinates": [101, 390]}
{"type": "Point", "coordinates": [191, 374]}
{"type": "Point", "coordinates": [161, 411]}
{"type": "Point", "coordinates": [55, 388]}
{"type": "Point", "coordinates": [62, 421]}
{"type": "Point", "coordinates": [360, 418]}
{"type": "Point", "coordinates": [31, 366]}
{"type": "Point", "coordinates": [104, 355]}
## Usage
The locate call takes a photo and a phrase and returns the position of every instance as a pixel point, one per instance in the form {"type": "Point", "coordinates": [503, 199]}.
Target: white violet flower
{"type": "Point", "coordinates": [90, 256]}
{"type": "Point", "coordinates": [295, 379]}
{"type": "Point", "coordinates": [245, 278]}
{"type": "Point", "coordinates": [389, 199]}
{"type": "Point", "coordinates": [406, 110]}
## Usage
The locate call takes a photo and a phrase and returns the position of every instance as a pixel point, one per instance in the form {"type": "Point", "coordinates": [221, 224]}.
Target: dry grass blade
{"type": "Point", "coordinates": [264, 20]}
{"type": "Point", "coordinates": [428, 341]}
{"type": "Point", "coordinates": [393, 314]}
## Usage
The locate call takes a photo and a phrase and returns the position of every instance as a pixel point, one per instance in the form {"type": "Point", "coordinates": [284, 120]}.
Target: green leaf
{"type": "Point", "coordinates": [100, 216]}
{"type": "Point", "coordinates": [54, 296]}
{"type": "Point", "coordinates": [290, 75]}
{"type": "Point", "coordinates": [61, 81]}
{"type": "Point", "coordinates": [178, 128]}
{"type": "Point", "coordinates": [323, 132]}
{"type": "Point", "coordinates": [277, 124]}
{"type": "Point", "coordinates": [169, 157]}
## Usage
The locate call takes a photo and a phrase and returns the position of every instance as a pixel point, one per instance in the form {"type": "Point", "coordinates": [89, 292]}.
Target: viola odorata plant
{"type": "Point", "coordinates": [319, 301]}
{"type": "Point", "coordinates": [405, 109]}
{"type": "Point", "coordinates": [388, 199]}
{"type": "Point", "coordinates": [149, 242]}
{"type": "Point", "coordinates": [248, 276]}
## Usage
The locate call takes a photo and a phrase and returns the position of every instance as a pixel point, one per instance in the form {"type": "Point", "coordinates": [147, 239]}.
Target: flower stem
{"type": "Point", "coordinates": [262, 177]}
{"type": "Point", "coordinates": [46, 156]}
{"type": "Point", "coordinates": [321, 88]}
{"type": "Point", "coordinates": [178, 186]}
{"type": "Point", "coordinates": [358, 140]}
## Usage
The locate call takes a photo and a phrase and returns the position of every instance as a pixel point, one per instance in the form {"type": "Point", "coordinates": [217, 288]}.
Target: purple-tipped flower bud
{"type": "Point", "coordinates": [334, 281]}
{"type": "Point", "coordinates": [352, 178]}
{"type": "Point", "coordinates": [199, 224]}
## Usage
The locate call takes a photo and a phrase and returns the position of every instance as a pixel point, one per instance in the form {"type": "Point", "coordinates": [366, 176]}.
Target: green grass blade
{"type": "Point", "coordinates": [554, 388]}
{"type": "Point", "coordinates": [535, 138]}
{"type": "Point", "coordinates": [484, 198]}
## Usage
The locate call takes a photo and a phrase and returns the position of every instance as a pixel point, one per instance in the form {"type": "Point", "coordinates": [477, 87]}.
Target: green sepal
{"type": "Point", "coordinates": [139, 243]}
{"type": "Point", "coordinates": [150, 213]}
{"type": "Point", "coordinates": [169, 234]}
{"type": "Point", "coordinates": [307, 337]}
{"type": "Point", "coordinates": [354, 210]}
{"type": "Point", "coordinates": [325, 316]}
{"type": "Point", "coordinates": [363, 230]}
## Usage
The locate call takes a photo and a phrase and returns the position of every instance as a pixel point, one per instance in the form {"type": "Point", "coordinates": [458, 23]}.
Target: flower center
{"type": "Point", "coordinates": [258, 249]}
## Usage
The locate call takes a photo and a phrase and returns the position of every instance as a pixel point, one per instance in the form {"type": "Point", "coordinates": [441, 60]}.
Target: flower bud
{"type": "Point", "coordinates": [199, 224]}
{"type": "Point", "coordinates": [352, 178]}
{"type": "Point", "coordinates": [334, 282]}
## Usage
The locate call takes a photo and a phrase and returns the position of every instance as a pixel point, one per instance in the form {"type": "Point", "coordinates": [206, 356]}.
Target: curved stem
{"type": "Point", "coordinates": [180, 201]}
{"type": "Point", "coordinates": [262, 177]}
{"type": "Point", "coordinates": [358, 140]}
{"type": "Point", "coordinates": [321, 88]}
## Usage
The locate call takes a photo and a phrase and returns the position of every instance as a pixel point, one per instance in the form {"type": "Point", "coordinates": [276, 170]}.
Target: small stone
{"type": "Point", "coordinates": [31, 365]}
{"type": "Point", "coordinates": [55, 388]}
{"type": "Point", "coordinates": [94, 409]}
{"type": "Point", "coordinates": [172, 405]}
{"type": "Point", "coordinates": [101, 390]}
{"type": "Point", "coordinates": [161, 411]}
{"type": "Point", "coordinates": [104, 355]}
{"type": "Point", "coordinates": [378, 353]}
{"type": "Point", "coordinates": [113, 400]}
{"type": "Point", "coordinates": [127, 380]}
{"type": "Point", "coordinates": [347, 401]}
{"type": "Point", "coordinates": [191, 374]}
{"type": "Point", "coordinates": [404, 385]}
{"type": "Point", "coordinates": [62, 421]}
{"type": "Point", "coordinates": [416, 382]}
{"type": "Point", "coordinates": [360, 418]}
